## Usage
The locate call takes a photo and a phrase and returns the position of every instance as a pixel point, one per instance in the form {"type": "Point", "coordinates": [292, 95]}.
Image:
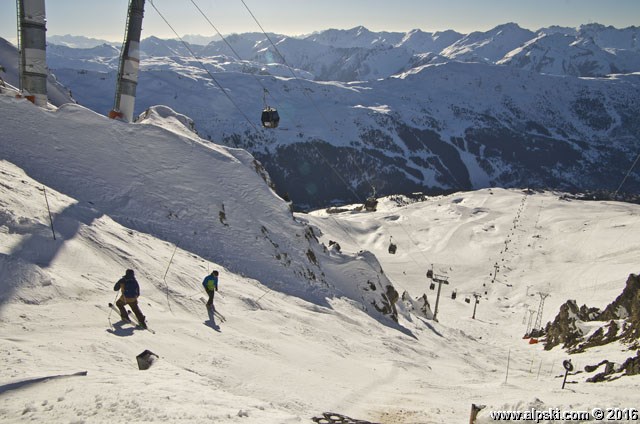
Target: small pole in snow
{"type": "Point", "coordinates": [568, 366]}
{"type": "Point", "coordinates": [508, 360]}
{"type": "Point", "coordinates": [531, 365]}
{"type": "Point", "coordinates": [539, 369]}
{"type": "Point", "coordinates": [49, 210]}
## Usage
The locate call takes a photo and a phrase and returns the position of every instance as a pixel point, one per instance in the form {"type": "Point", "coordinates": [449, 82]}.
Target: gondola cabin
{"type": "Point", "coordinates": [270, 117]}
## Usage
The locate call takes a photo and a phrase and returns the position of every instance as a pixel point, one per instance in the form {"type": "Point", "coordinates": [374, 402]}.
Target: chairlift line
{"type": "Point", "coordinates": [204, 67]}
{"type": "Point", "coordinates": [318, 109]}
{"type": "Point", "coordinates": [271, 117]}
{"type": "Point", "coordinates": [371, 201]}
{"type": "Point", "coordinates": [615, 194]}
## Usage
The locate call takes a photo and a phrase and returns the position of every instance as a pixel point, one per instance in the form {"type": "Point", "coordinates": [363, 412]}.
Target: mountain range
{"type": "Point", "coordinates": [367, 112]}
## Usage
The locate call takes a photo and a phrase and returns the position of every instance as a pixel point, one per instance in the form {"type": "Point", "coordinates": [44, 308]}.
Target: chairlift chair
{"type": "Point", "coordinates": [392, 247]}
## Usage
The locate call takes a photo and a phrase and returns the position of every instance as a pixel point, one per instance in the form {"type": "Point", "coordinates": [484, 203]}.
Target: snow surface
{"type": "Point", "coordinates": [147, 196]}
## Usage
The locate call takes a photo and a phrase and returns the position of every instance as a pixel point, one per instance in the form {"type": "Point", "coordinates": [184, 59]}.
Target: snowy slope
{"type": "Point", "coordinates": [180, 193]}
{"type": "Point", "coordinates": [419, 41]}
{"type": "Point", "coordinates": [284, 355]}
{"type": "Point", "coordinates": [355, 37]}
{"type": "Point", "coordinates": [279, 359]}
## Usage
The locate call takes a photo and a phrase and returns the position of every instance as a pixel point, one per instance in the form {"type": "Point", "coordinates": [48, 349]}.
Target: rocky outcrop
{"type": "Point", "coordinates": [627, 307]}
{"type": "Point", "coordinates": [612, 372]}
{"type": "Point", "coordinates": [620, 320]}
{"type": "Point", "coordinates": [564, 328]}
{"type": "Point", "coordinates": [419, 306]}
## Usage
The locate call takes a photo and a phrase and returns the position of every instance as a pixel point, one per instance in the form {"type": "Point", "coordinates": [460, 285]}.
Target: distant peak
{"type": "Point", "coordinates": [359, 28]}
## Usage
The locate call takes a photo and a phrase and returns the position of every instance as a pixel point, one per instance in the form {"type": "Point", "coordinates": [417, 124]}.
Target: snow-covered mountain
{"type": "Point", "coordinates": [78, 41]}
{"type": "Point", "coordinates": [357, 37]}
{"type": "Point", "coordinates": [154, 197]}
{"type": "Point", "coordinates": [561, 54]}
{"type": "Point", "coordinates": [102, 58]}
{"type": "Point", "coordinates": [453, 126]}
{"type": "Point", "coordinates": [418, 41]}
{"type": "Point", "coordinates": [416, 120]}
{"type": "Point", "coordinates": [350, 50]}
{"type": "Point", "coordinates": [489, 46]}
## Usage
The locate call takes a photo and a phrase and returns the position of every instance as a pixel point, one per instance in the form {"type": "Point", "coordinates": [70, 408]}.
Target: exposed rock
{"type": "Point", "coordinates": [388, 302]}
{"type": "Point", "coordinates": [627, 307]}
{"type": "Point", "coordinates": [602, 336]}
{"type": "Point", "coordinates": [630, 367]}
{"type": "Point", "coordinates": [564, 329]}
{"type": "Point", "coordinates": [620, 321]}
{"type": "Point", "coordinates": [419, 306]}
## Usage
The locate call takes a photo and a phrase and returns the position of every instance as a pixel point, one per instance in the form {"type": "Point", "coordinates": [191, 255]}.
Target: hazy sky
{"type": "Point", "coordinates": [106, 19]}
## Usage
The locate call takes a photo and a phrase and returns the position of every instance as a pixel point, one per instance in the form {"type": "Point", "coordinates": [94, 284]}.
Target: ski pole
{"type": "Point", "coordinates": [111, 310]}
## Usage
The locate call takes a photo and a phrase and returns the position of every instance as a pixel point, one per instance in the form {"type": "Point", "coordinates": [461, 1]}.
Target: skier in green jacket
{"type": "Point", "coordinates": [210, 284]}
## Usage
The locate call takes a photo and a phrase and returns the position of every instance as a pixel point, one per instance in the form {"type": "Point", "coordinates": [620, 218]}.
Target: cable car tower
{"type": "Point", "coordinates": [32, 44]}
{"type": "Point", "coordinates": [127, 80]}
{"type": "Point", "coordinates": [538, 324]}
{"type": "Point", "coordinates": [440, 279]}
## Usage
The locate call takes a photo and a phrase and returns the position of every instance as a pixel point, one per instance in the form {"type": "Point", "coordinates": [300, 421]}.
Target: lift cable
{"type": "Point", "coordinates": [231, 47]}
{"type": "Point", "coordinates": [315, 105]}
{"type": "Point", "coordinates": [321, 114]}
{"type": "Point", "coordinates": [204, 68]}
{"type": "Point", "coordinates": [335, 171]}
{"type": "Point", "coordinates": [626, 176]}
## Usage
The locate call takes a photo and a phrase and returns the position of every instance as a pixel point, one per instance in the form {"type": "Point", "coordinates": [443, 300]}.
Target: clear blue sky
{"type": "Point", "coordinates": [106, 19]}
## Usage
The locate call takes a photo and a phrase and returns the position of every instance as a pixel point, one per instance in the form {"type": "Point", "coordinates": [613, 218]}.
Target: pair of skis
{"type": "Point", "coordinates": [132, 321]}
{"type": "Point", "coordinates": [213, 309]}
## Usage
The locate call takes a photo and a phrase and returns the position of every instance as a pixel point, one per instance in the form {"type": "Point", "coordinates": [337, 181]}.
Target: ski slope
{"type": "Point", "coordinates": [148, 196]}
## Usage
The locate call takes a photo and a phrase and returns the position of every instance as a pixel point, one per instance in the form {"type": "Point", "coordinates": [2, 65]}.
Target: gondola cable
{"type": "Point", "coordinates": [318, 109]}
{"type": "Point", "coordinates": [223, 38]}
{"type": "Point", "coordinates": [204, 68]}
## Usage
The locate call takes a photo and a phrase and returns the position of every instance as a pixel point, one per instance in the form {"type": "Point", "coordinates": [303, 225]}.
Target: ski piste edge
{"type": "Point", "coordinates": [133, 321]}
{"type": "Point", "coordinates": [216, 313]}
